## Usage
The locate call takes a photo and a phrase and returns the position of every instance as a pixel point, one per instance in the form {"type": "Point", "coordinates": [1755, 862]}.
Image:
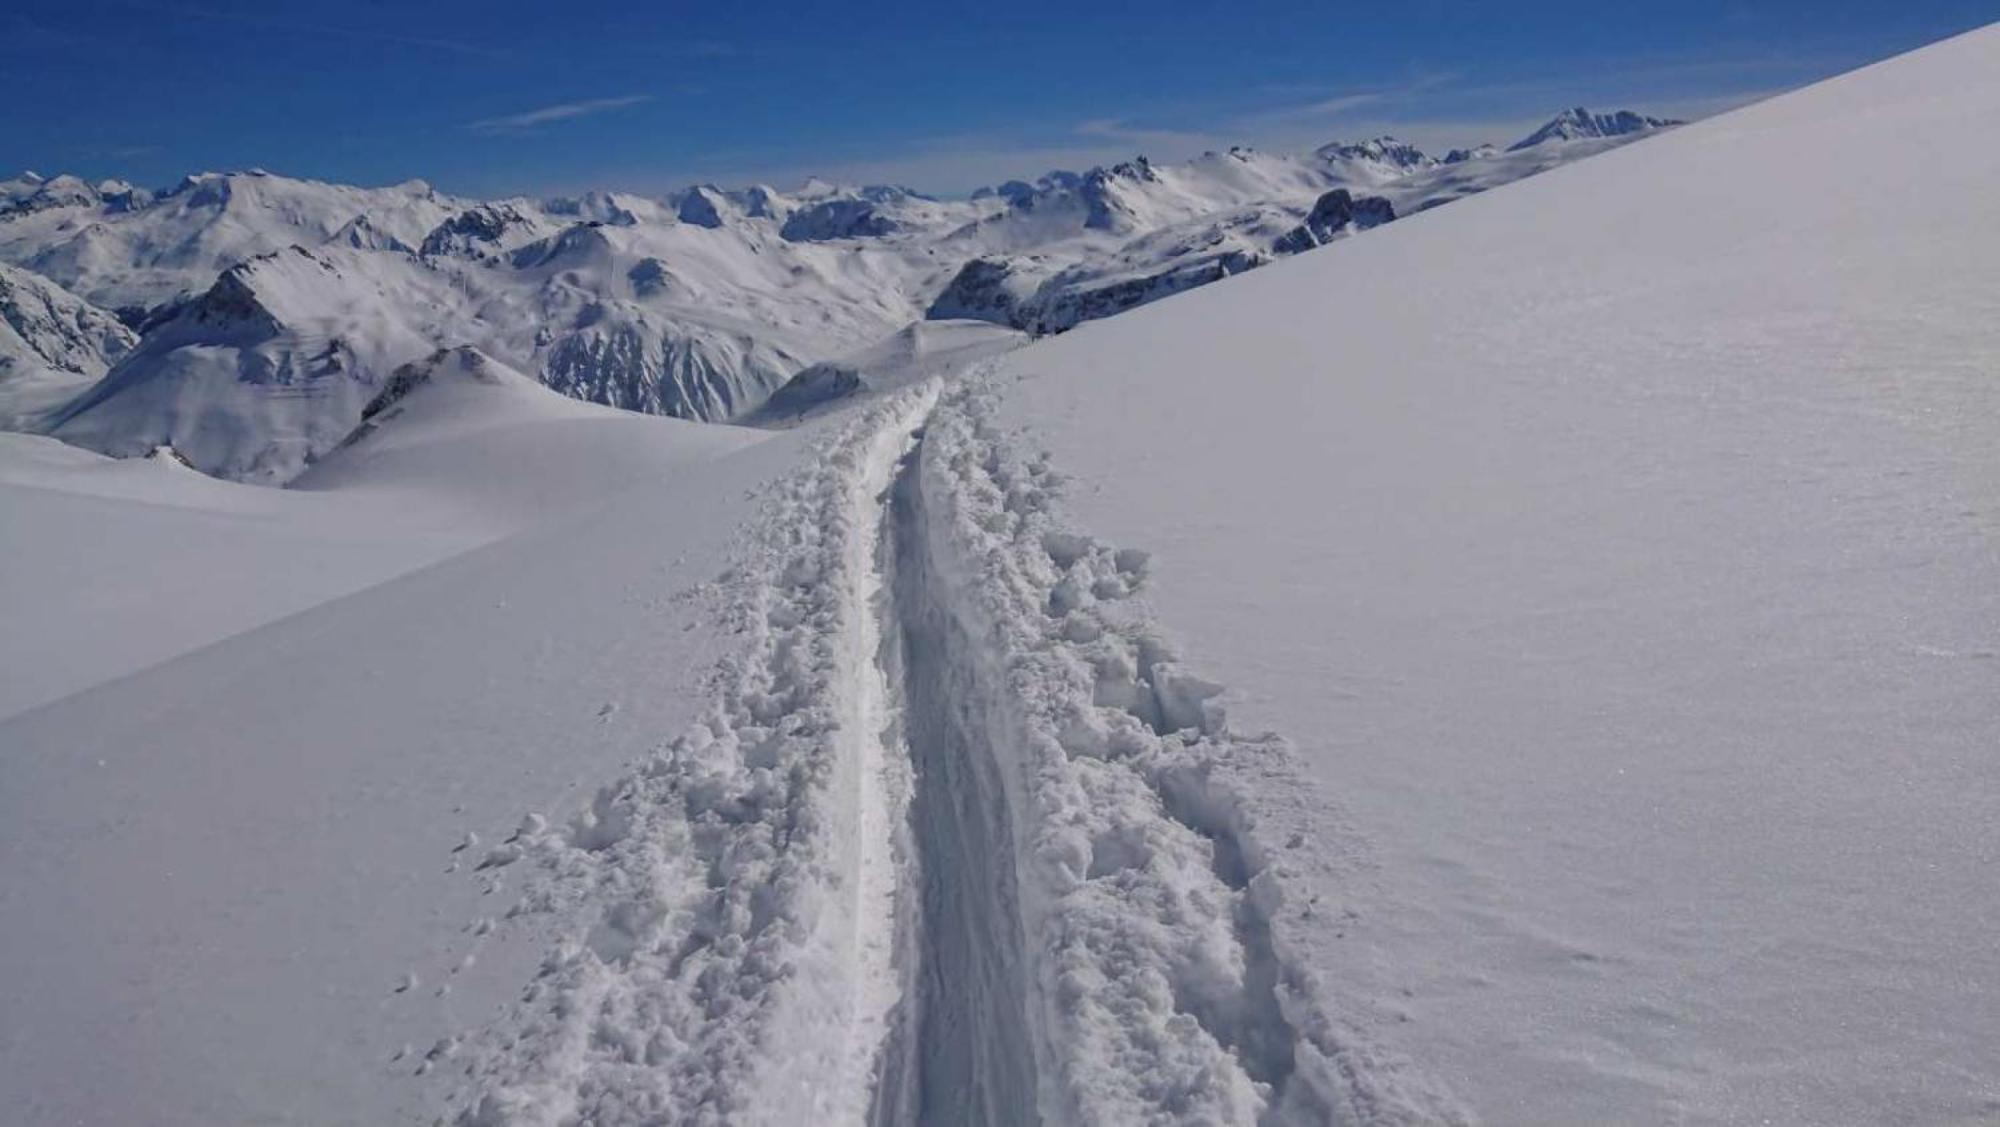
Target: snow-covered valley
{"type": "Point", "coordinates": [842, 656]}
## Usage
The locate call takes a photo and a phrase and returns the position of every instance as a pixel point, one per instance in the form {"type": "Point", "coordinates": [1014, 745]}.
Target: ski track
{"type": "Point", "coordinates": [959, 841]}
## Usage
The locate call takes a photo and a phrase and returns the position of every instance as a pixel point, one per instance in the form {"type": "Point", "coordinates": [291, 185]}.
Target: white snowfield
{"type": "Point", "coordinates": [1621, 552]}
{"type": "Point", "coordinates": [117, 565]}
{"type": "Point", "coordinates": [1533, 662]}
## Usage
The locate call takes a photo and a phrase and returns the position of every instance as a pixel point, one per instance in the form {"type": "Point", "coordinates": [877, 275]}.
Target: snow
{"type": "Point", "coordinates": [273, 308]}
{"type": "Point", "coordinates": [220, 868]}
{"type": "Point", "coordinates": [52, 346]}
{"type": "Point", "coordinates": [116, 565]}
{"type": "Point", "coordinates": [1529, 661]}
{"type": "Point", "coordinates": [1619, 552]}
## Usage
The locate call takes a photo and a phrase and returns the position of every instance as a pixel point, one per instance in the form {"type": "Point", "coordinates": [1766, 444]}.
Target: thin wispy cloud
{"type": "Point", "coordinates": [1330, 107]}
{"type": "Point", "coordinates": [561, 111]}
{"type": "Point", "coordinates": [1136, 137]}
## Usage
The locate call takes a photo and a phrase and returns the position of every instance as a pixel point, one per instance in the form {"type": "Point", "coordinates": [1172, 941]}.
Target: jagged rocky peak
{"type": "Point", "coordinates": [362, 234]}
{"type": "Point", "coordinates": [479, 231]}
{"type": "Point", "coordinates": [1103, 191]}
{"type": "Point", "coordinates": [42, 324]}
{"type": "Point", "coordinates": [761, 201]}
{"type": "Point", "coordinates": [461, 363]}
{"type": "Point", "coordinates": [1334, 214]}
{"type": "Point", "coordinates": [1138, 170]}
{"type": "Point", "coordinates": [1384, 155]}
{"type": "Point", "coordinates": [703, 205]}
{"type": "Point", "coordinates": [839, 218]}
{"type": "Point", "coordinates": [240, 294]}
{"type": "Point", "coordinates": [1384, 148]}
{"type": "Point", "coordinates": [984, 289]}
{"type": "Point", "coordinates": [1476, 152]}
{"type": "Point", "coordinates": [1578, 123]}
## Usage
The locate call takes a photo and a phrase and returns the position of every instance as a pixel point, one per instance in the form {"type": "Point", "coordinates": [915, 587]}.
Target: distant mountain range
{"type": "Point", "coordinates": [247, 319]}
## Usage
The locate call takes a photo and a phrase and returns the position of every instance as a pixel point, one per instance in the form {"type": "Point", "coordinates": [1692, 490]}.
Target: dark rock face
{"type": "Point", "coordinates": [1333, 214]}
{"type": "Point", "coordinates": [978, 292]}
{"type": "Point", "coordinates": [649, 276]}
{"type": "Point", "coordinates": [1018, 193]}
{"type": "Point", "coordinates": [1057, 307]}
{"type": "Point", "coordinates": [698, 207]}
{"type": "Point", "coordinates": [837, 219]}
{"type": "Point", "coordinates": [465, 232]}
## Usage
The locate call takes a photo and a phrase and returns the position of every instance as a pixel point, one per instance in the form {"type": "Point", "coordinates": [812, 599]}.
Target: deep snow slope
{"type": "Point", "coordinates": [1621, 552]}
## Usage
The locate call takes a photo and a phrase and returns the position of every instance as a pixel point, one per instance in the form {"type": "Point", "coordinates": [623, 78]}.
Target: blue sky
{"type": "Point", "coordinates": [505, 97]}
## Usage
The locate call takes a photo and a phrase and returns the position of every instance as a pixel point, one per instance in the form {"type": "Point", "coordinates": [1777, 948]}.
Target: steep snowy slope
{"type": "Point", "coordinates": [271, 366]}
{"type": "Point", "coordinates": [1619, 550]}
{"type": "Point", "coordinates": [53, 344]}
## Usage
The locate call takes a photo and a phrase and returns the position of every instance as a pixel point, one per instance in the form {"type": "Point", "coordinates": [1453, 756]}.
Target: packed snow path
{"type": "Point", "coordinates": [959, 842]}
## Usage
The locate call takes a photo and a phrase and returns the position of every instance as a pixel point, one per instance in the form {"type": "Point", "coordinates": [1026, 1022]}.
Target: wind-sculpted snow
{"type": "Point", "coordinates": [959, 841]}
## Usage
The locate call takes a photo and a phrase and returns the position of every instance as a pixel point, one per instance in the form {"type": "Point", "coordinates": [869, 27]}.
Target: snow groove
{"type": "Point", "coordinates": [965, 1054]}
{"type": "Point", "coordinates": [1158, 983]}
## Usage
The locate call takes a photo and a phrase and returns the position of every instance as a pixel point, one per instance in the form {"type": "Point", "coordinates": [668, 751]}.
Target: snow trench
{"type": "Point", "coordinates": [960, 842]}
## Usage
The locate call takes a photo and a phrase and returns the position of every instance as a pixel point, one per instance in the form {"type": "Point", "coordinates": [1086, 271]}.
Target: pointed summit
{"type": "Point", "coordinates": [1578, 123]}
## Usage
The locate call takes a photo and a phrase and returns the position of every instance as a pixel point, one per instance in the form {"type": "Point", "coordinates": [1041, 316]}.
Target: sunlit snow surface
{"type": "Point", "coordinates": [1534, 662]}
{"type": "Point", "coordinates": [1622, 552]}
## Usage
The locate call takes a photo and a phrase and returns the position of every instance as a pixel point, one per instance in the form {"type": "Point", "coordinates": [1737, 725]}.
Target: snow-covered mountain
{"type": "Point", "coordinates": [53, 344]}
{"type": "Point", "coordinates": [1531, 663]}
{"type": "Point", "coordinates": [1579, 123]}
{"type": "Point", "coordinates": [135, 253]}
{"type": "Point", "coordinates": [273, 308]}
